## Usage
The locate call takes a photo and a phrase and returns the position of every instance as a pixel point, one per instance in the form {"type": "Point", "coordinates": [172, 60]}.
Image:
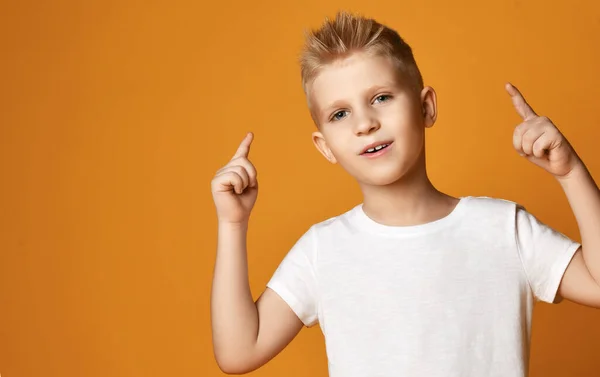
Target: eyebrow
{"type": "Point", "coordinates": [340, 103]}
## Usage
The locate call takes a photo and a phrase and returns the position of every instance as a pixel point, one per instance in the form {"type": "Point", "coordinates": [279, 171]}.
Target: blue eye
{"type": "Point", "coordinates": [383, 98]}
{"type": "Point", "coordinates": [338, 115]}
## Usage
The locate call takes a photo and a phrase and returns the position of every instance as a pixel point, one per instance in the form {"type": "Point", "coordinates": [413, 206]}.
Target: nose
{"type": "Point", "coordinates": [367, 124]}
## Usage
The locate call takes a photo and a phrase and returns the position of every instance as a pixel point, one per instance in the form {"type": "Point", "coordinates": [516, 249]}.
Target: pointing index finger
{"type": "Point", "coordinates": [522, 107]}
{"type": "Point", "coordinates": [244, 147]}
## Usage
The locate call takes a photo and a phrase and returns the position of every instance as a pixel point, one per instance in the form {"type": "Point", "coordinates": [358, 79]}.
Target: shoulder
{"type": "Point", "coordinates": [337, 221]}
{"type": "Point", "coordinates": [488, 204]}
{"type": "Point", "coordinates": [337, 227]}
{"type": "Point", "coordinates": [492, 211]}
{"type": "Point", "coordinates": [323, 234]}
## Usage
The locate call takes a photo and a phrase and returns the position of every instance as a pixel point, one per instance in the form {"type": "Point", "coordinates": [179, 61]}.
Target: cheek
{"type": "Point", "coordinates": [412, 139]}
{"type": "Point", "coordinates": [337, 141]}
{"type": "Point", "coordinates": [344, 150]}
{"type": "Point", "coordinates": [408, 119]}
{"type": "Point", "coordinates": [341, 151]}
{"type": "Point", "coordinates": [401, 115]}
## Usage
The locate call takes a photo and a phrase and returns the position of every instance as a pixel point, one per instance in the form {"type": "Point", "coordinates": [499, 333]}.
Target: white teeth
{"type": "Point", "coordinates": [379, 147]}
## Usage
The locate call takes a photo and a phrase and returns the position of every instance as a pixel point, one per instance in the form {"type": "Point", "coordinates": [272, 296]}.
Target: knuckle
{"type": "Point", "coordinates": [238, 169]}
{"type": "Point", "coordinates": [244, 173]}
{"type": "Point", "coordinates": [521, 128]}
{"type": "Point", "coordinates": [237, 183]}
{"type": "Point", "coordinates": [232, 175]}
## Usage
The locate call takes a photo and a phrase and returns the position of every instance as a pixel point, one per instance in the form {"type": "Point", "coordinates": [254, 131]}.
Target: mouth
{"type": "Point", "coordinates": [376, 148]}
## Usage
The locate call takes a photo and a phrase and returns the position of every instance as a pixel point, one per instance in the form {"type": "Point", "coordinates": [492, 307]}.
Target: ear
{"type": "Point", "coordinates": [321, 144]}
{"type": "Point", "coordinates": [429, 106]}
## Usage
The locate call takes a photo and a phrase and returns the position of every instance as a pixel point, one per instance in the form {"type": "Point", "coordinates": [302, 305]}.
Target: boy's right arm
{"type": "Point", "coordinates": [246, 334]}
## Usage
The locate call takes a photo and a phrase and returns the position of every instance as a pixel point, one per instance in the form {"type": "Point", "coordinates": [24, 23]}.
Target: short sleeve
{"type": "Point", "coordinates": [545, 254]}
{"type": "Point", "coordinates": [294, 280]}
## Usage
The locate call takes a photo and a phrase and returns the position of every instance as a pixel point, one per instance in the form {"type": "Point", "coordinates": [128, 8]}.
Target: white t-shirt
{"type": "Point", "coordinates": [449, 298]}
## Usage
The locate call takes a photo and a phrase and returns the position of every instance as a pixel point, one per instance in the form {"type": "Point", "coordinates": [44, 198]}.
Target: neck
{"type": "Point", "coordinates": [411, 200]}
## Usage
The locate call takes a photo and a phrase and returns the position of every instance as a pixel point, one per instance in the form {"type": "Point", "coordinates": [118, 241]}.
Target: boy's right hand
{"type": "Point", "coordinates": [235, 186]}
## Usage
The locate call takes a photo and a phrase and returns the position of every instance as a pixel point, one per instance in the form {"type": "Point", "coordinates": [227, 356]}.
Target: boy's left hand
{"type": "Point", "coordinates": [540, 141]}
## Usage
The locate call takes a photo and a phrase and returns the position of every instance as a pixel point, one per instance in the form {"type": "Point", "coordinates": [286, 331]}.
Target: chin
{"type": "Point", "coordinates": [383, 178]}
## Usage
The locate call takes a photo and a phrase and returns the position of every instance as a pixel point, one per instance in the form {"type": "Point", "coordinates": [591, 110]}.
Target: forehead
{"type": "Point", "coordinates": [352, 76]}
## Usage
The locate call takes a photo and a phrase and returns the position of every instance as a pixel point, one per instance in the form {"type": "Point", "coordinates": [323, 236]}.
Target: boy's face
{"type": "Point", "coordinates": [361, 102]}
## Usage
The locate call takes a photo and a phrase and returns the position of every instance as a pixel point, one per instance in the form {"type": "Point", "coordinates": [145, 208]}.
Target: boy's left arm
{"type": "Point", "coordinates": [540, 141]}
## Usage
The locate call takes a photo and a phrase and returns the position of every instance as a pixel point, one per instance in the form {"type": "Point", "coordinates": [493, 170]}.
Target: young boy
{"type": "Point", "coordinates": [411, 282]}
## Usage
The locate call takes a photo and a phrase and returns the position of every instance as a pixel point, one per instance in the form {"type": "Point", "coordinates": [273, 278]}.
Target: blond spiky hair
{"type": "Point", "coordinates": [349, 33]}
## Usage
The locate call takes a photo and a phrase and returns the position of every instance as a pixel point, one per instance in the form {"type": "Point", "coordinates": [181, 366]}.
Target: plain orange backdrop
{"type": "Point", "coordinates": [116, 114]}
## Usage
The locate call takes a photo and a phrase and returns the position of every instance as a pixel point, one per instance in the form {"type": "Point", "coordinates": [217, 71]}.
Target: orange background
{"type": "Point", "coordinates": [116, 114]}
